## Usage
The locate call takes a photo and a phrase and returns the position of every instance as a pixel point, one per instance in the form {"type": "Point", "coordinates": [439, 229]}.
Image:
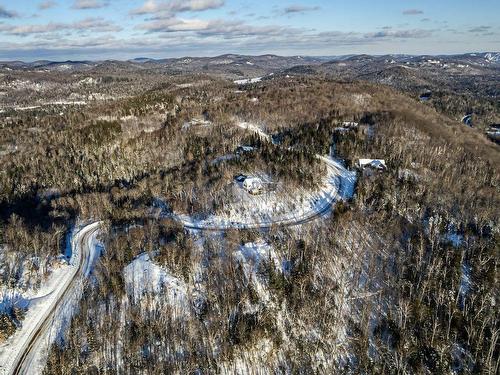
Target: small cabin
{"type": "Point", "coordinates": [377, 164]}
{"type": "Point", "coordinates": [350, 124]}
{"type": "Point", "coordinates": [253, 185]}
{"type": "Point", "coordinates": [240, 178]}
{"type": "Point", "coordinates": [467, 120]}
{"type": "Point", "coordinates": [425, 96]}
{"type": "Point", "coordinates": [244, 149]}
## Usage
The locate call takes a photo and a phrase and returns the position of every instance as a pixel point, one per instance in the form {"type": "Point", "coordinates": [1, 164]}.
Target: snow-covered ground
{"type": "Point", "coordinates": [279, 206]}
{"type": "Point", "coordinates": [247, 81]}
{"type": "Point", "coordinates": [455, 239]}
{"type": "Point", "coordinates": [255, 129]}
{"type": "Point", "coordinates": [67, 102]}
{"type": "Point", "coordinates": [49, 297]}
{"type": "Point", "coordinates": [252, 256]}
{"type": "Point", "coordinates": [145, 277]}
{"type": "Point", "coordinates": [196, 122]}
{"type": "Point", "coordinates": [465, 280]}
{"type": "Point", "coordinates": [36, 303]}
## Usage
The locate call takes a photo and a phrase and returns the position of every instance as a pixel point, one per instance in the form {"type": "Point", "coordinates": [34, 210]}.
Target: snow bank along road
{"type": "Point", "coordinates": [33, 340]}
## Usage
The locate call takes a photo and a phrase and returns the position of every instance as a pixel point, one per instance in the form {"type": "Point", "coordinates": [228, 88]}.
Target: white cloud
{"type": "Point", "coordinates": [300, 9]}
{"type": "Point", "coordinates": [222, 28]}
{"type": "Point", "coordinates": [89, 4]}
{"type": "Point", "coordinates": [98, 25]}
{"type": "Point", "coordinates": [176, 6]}
{"type": "Point", "coordinates": [412, 12]}
{"type": "Point", "coordinates": [400, 34]}
{"type": "Point", "coordinates": [480, 29]}
{"type": "Point", "coordinates": [47, 5]}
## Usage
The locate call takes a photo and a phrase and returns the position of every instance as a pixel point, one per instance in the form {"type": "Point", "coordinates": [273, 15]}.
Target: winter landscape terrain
{"type": "Point", "coordinates": [250, 214]}
{"type": "Point", "coordinates": [283, 187]}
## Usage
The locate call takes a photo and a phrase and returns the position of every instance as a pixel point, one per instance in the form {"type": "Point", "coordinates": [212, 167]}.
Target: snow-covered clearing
{"type": "Point", "coordinates": [67, 102]}
{"type": "Point", "coordinates": [252, 254]}
{"type": "Point", "coordinates": [280, 206]}
{"type": "Point", "coordinates": [59, 102]}
{"type": "Point", "coordinates": [196, 122]}
{"type": "Point", "coordinates": [255, 129]}
{"type": "Point", "coordinates": [54, 296]}
{"type": "Point", "coordinates": [28, 108]}
{"type": "Point", "coordinates": [88, 81]}
{"type": "Point", "coordinates": [248, 81]}
{"type": "Point", "coordinates": [144, 277]}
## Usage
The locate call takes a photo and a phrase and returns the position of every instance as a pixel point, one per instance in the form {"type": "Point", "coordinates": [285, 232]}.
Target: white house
{"type": "Point", "coordinates": [350, 124]}
{"type": "Point", "coordinates": [372, 163]}
{"type": "Point", "coordinates": [243, 149]}
{"type": "Point", "coordinates": [253, 185]}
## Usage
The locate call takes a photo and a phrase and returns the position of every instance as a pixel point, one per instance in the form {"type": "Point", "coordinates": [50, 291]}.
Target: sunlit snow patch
{"type": "Point", "coordinates": [143, 277]}
{"type": "Point", "coordinates": [248, 81]}
{"type": "Point", "coordinates": [251, 255]}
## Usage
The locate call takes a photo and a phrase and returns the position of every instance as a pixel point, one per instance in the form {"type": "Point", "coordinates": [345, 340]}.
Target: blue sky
{"type": "Point", "coordinates": [122, 29]}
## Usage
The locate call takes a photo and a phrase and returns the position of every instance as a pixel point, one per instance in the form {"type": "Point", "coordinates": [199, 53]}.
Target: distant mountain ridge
{"type": "Point", "coordinates": [263, 61]}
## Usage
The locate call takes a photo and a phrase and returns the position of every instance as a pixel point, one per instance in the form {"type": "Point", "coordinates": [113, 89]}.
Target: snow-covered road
{"type": "Point", "coordinates": [338, 185]}
{"type": "Point", "coordinates": [25, 352]}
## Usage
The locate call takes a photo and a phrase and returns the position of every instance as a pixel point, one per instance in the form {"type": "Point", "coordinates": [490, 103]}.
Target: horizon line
{"type": "Point", "coordinates": [247, 55]}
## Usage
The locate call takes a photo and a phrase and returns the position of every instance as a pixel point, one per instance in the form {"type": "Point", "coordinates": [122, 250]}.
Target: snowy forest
{"type": "Point", "coordinates": [319, 265]}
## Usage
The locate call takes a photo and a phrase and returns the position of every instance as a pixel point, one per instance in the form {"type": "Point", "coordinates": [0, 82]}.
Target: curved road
{"type": "Point", "coordinates": [312, 215]}
{"type": "Point", "coordinates": [83, 256]}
